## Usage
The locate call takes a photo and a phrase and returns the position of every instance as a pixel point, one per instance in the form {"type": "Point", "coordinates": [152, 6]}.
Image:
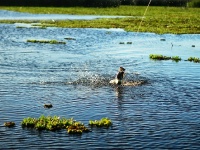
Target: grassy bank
{"type": "Point", "coordinates": [160, 20]}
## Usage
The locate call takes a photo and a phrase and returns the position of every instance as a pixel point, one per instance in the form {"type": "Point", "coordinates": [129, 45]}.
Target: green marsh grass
{"type": "Point", "coordinates": [104, 122]}
{"type": "Point", "coordinates": [161, 57]}
{"type": "Point", "coordinates": [46, 41]}
{"type": "Point", "coordinates": [53, 123]}
{"type": "Point", "coordinates": [194, 59]}
{"type": "Point", "coordinates": [177, 20]}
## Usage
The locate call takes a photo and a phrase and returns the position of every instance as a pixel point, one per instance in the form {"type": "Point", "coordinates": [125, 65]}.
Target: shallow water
{"type": "Point", "coordinates": [163, 113]}
{"type": "Point", "coordinates": [12, 15]}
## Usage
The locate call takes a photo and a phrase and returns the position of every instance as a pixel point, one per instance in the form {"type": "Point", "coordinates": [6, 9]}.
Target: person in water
{"type": "Point", "coordinates": [119, 77]}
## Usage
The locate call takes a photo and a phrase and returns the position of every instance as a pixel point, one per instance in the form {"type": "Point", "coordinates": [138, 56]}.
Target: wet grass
{"type": "Point", "coordinates": [177, 20]}
{"type": "Point", "coordinates": [54, 123]}
{"type": "Point", "coordinates": [194, 59]}
{"type": "Point", "coordinates": [173, 58]}
{"type": "Point", "coordinates": [104, 122]}
{"type": "Point", "coordinates": [162, 57]}
{"type": "Point", "coordinates": [46, 41]}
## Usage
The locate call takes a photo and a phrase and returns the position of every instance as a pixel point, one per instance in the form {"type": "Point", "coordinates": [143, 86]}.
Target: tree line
{"type": "Point", "coordinates": [98, 3]}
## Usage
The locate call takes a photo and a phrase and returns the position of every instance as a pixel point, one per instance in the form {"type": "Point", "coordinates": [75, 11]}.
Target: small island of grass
{"type": "Point", "coordinates": [46, 41]}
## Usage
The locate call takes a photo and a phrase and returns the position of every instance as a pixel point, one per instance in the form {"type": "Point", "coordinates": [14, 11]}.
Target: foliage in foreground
{"type": "Point", "coordinates": [56, 123]}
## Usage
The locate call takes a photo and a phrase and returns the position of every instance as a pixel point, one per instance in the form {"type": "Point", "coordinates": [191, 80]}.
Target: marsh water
{"type": "Point", "coordinates": [162, 113]}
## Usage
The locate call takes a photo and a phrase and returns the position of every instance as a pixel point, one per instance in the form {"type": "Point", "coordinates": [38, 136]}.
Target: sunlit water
{"type": "Point", "coordinates": [11, 15]}
{"type": "Point", "coordinates": [163, 113]}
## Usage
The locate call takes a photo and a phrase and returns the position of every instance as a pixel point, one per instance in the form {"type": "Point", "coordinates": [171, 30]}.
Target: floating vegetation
{"type": "Point", "coordinates": [159, 57]}
{"type": "Point", "coordinates": [54, 123]}
{"type": "Point", "coordinates": [176, 58]}
{"type": "Point", "coordinates": [48, 105]}
{"type": "Point", "coordinates": [124, 42]}
{"type": "Point", "coordinates": [48, 41]}
{"type": "Point", "coordinates": [194, 59]}
{"type": "Point", "coordinates": [69, 38]}
{"type": "Point", "coordinates": [104, 122]}
{"type": "Point", "coordinates": [77, 128]}
{"type": "Point", "coordinates": [9, 124]}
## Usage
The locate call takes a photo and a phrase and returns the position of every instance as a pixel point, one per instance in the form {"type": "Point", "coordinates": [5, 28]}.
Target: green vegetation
{"type": "Point", "coordinates": [9, 124]}
{"type": "Point", "coordinates": [194, 3]}
{"type": "Point", "coordinates": [194, 59]}
{"type": "Point", "coordinates": [160, 20]}
{"type": "Point", "coordinates": [104, 122]}
{"type": "Point", "coordinates": [43, 41]}
{"type": "Point", "coordinates": [54, 123]}
{"type": "Point", "coordinates": [176, 58]}
{"type": "Point", "coordinates": [159, 57]}
{"type": "Point", "coordinates": [173, 58]}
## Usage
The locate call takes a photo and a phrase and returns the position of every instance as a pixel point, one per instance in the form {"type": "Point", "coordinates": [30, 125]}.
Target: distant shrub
{"type": "Point", "coordinates": [102, 3]}
{"type": "Point", "coordinates": [162, 2]}
{"type": "Point", "coordinates": [127, 2]}
{"type": "Point", "coordinates": [194, 3]}
{"type": "Point", "coordinates": [61, 3]}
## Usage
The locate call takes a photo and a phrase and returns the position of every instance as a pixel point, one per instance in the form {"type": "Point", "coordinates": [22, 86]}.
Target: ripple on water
{"type": "Point", "coordinates": [163, 113]}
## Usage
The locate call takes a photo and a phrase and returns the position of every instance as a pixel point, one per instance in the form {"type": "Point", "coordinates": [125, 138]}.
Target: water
{"type": "Point", "coordinates": [11, 15]}
{"type": "Point", "coordinates": [163, 113]}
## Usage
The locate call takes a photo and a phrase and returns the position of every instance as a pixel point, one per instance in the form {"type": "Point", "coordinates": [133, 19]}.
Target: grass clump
{"type": "Point", "coordinates": [54, 123]}
{"type": "Point", "coordinates": [104, 122]}
{"type": "Point", "coordinates": [194, 59]}
{"type": "Point", "coordinates": [176, 58]}
{"type": "Point", "coordinates": [159, 57]}
{"type": "Point", "coordinates": [46, 41]}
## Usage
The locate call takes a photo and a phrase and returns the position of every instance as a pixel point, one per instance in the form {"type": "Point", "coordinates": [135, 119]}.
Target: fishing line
{"type": "Point", "coordinates": [144, 15]}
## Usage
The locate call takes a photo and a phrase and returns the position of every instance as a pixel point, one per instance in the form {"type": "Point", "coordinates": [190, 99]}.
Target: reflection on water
{"type": "Point", "coordinates": [11, 15]}
{"type": "Point", "coordinates": [163, 113]}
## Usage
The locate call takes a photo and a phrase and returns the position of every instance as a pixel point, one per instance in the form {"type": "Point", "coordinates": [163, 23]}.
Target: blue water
{"type": "Point", "coordinates": [163, 113]}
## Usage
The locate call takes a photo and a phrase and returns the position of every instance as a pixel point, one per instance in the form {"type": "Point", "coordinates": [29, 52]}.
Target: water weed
{"type": "Point", "coordinates": [104, 122]}
{"type": "Point", "coordinates": [46, 41]}
{"type": "Point", "coordinates": [194, 59]}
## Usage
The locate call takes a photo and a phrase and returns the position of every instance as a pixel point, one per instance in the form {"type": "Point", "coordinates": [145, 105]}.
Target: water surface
{"type": "Point", "coordinates": [163, 113]}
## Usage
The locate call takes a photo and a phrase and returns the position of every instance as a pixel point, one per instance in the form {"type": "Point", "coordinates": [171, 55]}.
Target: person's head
{"type": "Point", "coordinates": [121, 69]}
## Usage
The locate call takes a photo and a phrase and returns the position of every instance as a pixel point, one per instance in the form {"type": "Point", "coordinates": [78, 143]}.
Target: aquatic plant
{"type": "Point", "coordinates": [159, 57]}
{"type": "Point", "coordinates": [54, 123]}
{"type": "Point", "coordinates": [176, 58]}
{"type": "Point", "coordinates": [69, 38]}
{"type": "Point", "coordinates": [104, 122]}
{"type": "Point", "coordinates": [46, 41]}
{"type": "Point", "coordinates": [9, 124]}
{"type": "Point", "coordinates": [194, 59]}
